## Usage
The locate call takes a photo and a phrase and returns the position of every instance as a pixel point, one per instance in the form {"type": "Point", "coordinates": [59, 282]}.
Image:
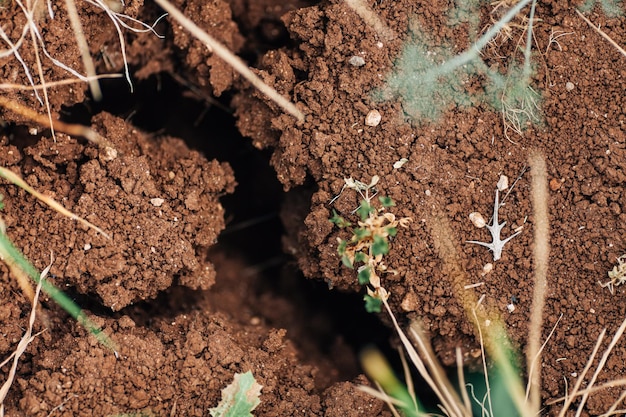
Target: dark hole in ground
{"type": "Point", "coordinates": [319, 317]}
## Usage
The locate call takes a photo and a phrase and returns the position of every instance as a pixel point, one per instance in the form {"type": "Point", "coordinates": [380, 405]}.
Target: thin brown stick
{"type": "Point", "coordinates": [15, 179]}
{"type": "Point", "coordinates": [70, 129]}
{"type": "Point", "coordinates": [51, 84]}
{"type": "Point", "coordinates": [601, 33]}
{"type": "Point", "coordinates": [541, 252]}
{"type": "Point", "coordinates": [231, 59]}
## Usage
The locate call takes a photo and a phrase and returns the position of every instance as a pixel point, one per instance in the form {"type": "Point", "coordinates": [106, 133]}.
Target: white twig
{"type": "Point", "coordinates": [495, 229]}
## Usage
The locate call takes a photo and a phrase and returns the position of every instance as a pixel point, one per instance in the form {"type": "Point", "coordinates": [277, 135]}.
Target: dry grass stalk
{"type": "Point", "coordinates": [21, 277]}
{"type": "Point", "coordinates": [17, 180]}
{"type": "Point", "coordinates": [233, 60]}
{"type": "Point", "coordinates": [370, 18]}
{"type": "Point", "coordinates": [70, 129]}
{"type": "Point", "coordinates": [83, 47]}
{"type": "Point", "coordinates": [29, 11]}
{"type": "Point", "coordinates": [35, 87]}
{"type": "Point", "coordinates": [591, 388]}
{"type": "Point", "coordinates": [541, 251]}
{"type": "Point", "coordinates": [23, 344]}
{"type": "Point", "coordinates": [601, 33]}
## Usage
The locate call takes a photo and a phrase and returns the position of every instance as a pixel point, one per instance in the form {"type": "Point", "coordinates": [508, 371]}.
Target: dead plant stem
{"type": "Point", "coordinates": [231, 59]}
{"type": "Point", "coordinates": [83, 47]}
{"type": "Point", "coordinates": [541, 252]}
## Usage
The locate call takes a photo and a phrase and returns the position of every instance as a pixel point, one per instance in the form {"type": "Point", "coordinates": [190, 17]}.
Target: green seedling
{"type": "Point", "coordinates": [239, 398]}
{"type": "Point", "coordinates": [617, 275]}
{"type": "Point", "coordinates": [429, 77]}
{"type": "Point", "coordinates": [369, 242]}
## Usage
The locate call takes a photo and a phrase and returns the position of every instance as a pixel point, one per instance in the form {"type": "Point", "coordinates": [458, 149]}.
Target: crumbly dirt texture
{"type": "Point", "coordinates": [186, 312]}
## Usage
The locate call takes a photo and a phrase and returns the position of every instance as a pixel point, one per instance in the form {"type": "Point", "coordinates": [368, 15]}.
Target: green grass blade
{"type": "Point", "coordinates": [9, 251]}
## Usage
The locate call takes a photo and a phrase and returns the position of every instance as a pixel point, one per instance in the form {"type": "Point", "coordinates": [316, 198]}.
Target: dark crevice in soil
{"type": "Point", "coordinates": [322, 323]}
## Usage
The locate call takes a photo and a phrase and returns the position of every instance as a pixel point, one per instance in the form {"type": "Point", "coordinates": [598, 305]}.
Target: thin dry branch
{"type": "Point", "coordinates": [15, 179]}
{"type": "Point", "coordinates": [231, 59]}
{"type": "Point", "coordinates": [601, 33]}
{"type": "Point", "coordinates": [35, 87]}
{"type": "Point", "coordinates": [70, 129]}
{"type": "Point", "coordinates": [541, 252]}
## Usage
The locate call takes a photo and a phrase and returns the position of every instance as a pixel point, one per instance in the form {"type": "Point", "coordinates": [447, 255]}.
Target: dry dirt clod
{"type": "Point", "coordinates": [555, 184]}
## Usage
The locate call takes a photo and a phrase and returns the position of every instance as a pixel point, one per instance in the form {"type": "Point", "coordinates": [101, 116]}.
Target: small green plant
{"type": "Point", "coordinates": [369, 242]}
{"type": "Point", "coordinates": [239, 398]}
{"type": "Point", "coordinates": [617, 275]}
{"type": "Point", "coordinates": [429, 77]}
{"type": "Point", "coordinates": [612, 8]}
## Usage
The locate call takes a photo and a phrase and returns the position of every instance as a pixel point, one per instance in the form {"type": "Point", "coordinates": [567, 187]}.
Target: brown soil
{"type": "Point", "coordinates": [189, 307]}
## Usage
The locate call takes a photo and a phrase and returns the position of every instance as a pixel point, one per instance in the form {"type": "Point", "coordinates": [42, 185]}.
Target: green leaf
{"type": "Point", "coordinates": [360, 257]}
{"type": "Point", "coordinates": [364, 275]}
{"type": "Point", "coordinates": [346, 261]}
{"type": "Point", "coordinates": [361, 233]}
{"type": "Point", "coordinates": [392, 231]}
{"type": "Point", "coordinates": [386, 201]}
{"type": "Point", "coordinates": [372, 304]}
{"type": "Point", "coordinates": [365, 209]}
{"type": "Point", "coordinates": [380, 246]}
{"type": "Point", "coordinates": [9, 252]}
{"type": "Point", "coordinates": [341, 248]}
{"type": "Point", "coordinates": [239, 398]}
{"type": "Point", "coordinates": [339, 221]}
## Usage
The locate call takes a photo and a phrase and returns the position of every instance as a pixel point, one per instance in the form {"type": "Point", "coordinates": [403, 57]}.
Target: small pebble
{"type": "Point", "coordinates": [555, 184]}
{"type": "Point", "coordinates": [503, 183]}
{"type": "Point", "coordinates": [510, 307]}
{"type": "Point", "coordinates": [400, 163]}
{"type": "Point", "coordinates": [569, 86]}
{"type": "Point", "coordinates": [87, 246]}
{"type": "Point", "coordinates": [477, 219]}
{"type": "Point", "coordinates": [373, 118]}
{"type": "Point", "coordinates": [157, 202]}
{"type": "Point", "coordinates": [356, 61]}
{"type": "Point", "coordinates": [487, 268]}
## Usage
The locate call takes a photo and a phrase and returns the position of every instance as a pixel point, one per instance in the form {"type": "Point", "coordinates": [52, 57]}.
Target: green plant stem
{"type": "Point", "coordinates": [9, 251]}
{"type": "Point", "coordinates": [378, 369]}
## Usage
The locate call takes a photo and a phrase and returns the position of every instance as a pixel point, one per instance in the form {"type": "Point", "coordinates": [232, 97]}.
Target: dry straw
{"type": "Point", "coordinates": [541, 252]}
{"type": "Point", "coordinates": [233, 60]}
